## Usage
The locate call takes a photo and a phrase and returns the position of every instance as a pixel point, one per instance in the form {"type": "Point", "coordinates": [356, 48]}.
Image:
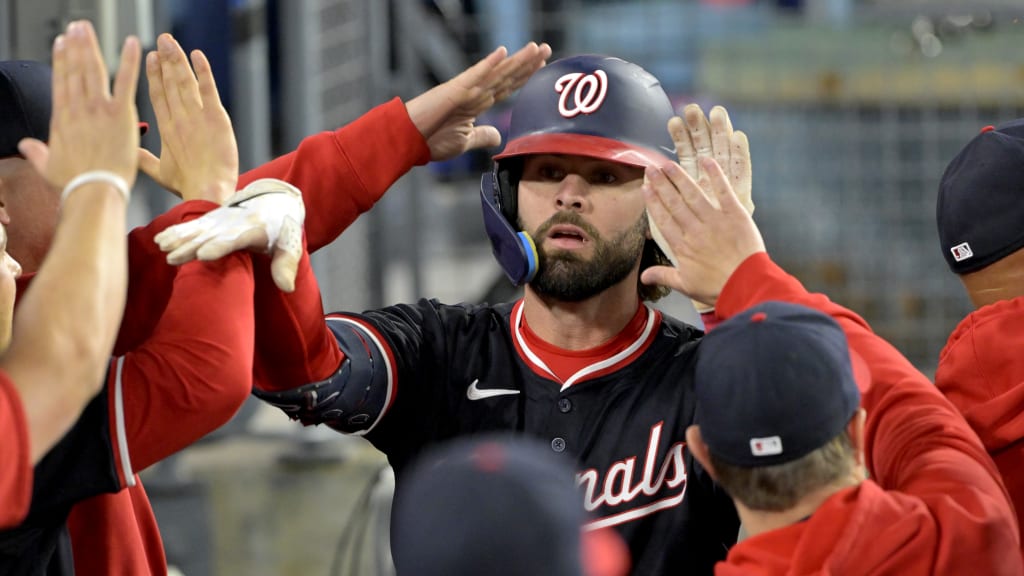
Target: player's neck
{"type": "Point", "coordinates": [581, 325]}
{"type": "Point", "coordinates": [1001, 280]}
{"type": "Point", "coordinates": [758, 521]}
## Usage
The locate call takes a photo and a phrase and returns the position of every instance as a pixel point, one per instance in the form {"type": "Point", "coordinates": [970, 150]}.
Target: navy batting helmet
{"type": "Point", "coordinates": [590, 105]}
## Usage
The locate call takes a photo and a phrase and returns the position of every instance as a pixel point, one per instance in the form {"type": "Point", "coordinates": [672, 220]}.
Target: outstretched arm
{"type": "Point", "coordinates": [64, 330]}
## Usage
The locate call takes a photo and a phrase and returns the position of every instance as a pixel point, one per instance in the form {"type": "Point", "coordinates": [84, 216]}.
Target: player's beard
{"type": "Point", "coordinates": [568, 277]}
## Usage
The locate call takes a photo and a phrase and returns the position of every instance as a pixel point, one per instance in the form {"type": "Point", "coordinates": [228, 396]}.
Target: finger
{"type": "Point", "coordinates": [127, 81]}
{"type": "Point", "coordinates": [207, 85]}
{"type": "Point", "coordinates": [175, 236]}
{"type": "Point", "coordinates": [157, 93]}
{"type": "Point", "coordinates": [35, 152]}
{"type": "Point", "coordinates": [721, 136]}
{"type": "Point", "coordinates": [666, 209]}
{"type": "Point", "coordinates": [721, 187]}
{"type": "Point", "coordinates": [740, 172]}
{"type": "Point", "coordinates": [514, 71]}
{"type": "Point", "coordinates": [172, 60]}
{"type": "Point", "coordinates": [97, 82]}
{"type": "Point", "coordinates": [700, 134]}
{"type": "Point", "coordinates": [149, 164]}
{"type": "Point", "coordinates": [217, 246]}
{"type": "Point", "coordinates": [661, 276]}
{"type": "Point", "coordinates": [77, 53]}
{"type": "Point", "coordinates": [690, 192]}
{"type": "Point", "coordinates": [285, 264]}
{"type": "Point", "coordinates": [478, 74]}
{"type": "Point", "coordinates": [60, 70]}
{"type": "Point", "coordinates": [483, 137]}
{"type": "Point", "coordinates": [685, 151]}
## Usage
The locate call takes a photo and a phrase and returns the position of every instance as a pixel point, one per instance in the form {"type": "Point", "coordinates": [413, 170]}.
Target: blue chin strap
{"type": "Point", "coordinates": [515, 251]}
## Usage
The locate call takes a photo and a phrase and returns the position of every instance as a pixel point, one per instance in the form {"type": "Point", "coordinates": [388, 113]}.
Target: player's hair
{"type": "Point", "coordinates": [652, 256]}
{"type": "Point", "coordinates": [780, 487]}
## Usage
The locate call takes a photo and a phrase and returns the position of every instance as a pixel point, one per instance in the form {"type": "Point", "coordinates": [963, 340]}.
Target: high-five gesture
{"type": "Point", "coordinates": [696, 137]}
{"type": "Point", "coordinates": [709, 239]}
{"type": "Point", "coordinates": [198, 151]}
{"type": "Point", "coordinates": [446, 114]}
{"type": "Point", "coordinates": [90, 128]}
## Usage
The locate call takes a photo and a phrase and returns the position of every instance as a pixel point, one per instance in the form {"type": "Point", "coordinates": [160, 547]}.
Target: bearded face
{"type": "Point", "coordinates": [572, 277]}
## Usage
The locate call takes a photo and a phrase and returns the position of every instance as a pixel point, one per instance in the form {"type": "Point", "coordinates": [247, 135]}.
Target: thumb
{"type": "Point", "coordinates": [149, 164]}
{"type": "Point", "coordinates": [660, 276]}
{"type": "Point", "coordinates": [484, 137]}
{"type": "Point", "coordinates": [36, 152]}
{"type": "Point", "coordinates": [287, 253]}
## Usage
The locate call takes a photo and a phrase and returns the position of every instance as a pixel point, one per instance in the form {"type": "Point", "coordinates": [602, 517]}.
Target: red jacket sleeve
{"type": "Point", "coordinates": [343, 173]}
{"type": "Point", "coordinates": [916, 440]}
{"type": "Point", "coordinates": [16, 467]}
{"type": "Point", "coordinates": [193, 372]}
{"type": "Point", "coordinates": [293, 344]}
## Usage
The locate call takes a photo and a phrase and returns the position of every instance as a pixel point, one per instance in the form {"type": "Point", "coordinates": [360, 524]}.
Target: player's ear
{"type": "Point", "coordinates": [855, 431]}
{"type": "Point", "coordinates": [699, 449]}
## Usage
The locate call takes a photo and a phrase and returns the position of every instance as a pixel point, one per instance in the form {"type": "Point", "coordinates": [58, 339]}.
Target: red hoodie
{"type": "Point", "coordinates": [935, 504]}
{"type": "Point", "coordinates": [981, 371]}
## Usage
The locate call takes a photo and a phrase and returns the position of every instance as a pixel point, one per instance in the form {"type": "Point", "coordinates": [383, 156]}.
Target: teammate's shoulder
{"type": "Point", "coordinates": [676, 328]}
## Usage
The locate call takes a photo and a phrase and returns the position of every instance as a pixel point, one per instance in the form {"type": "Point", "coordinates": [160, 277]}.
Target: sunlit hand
{"type": "Point", "coordinates": [446, 114]}
{"type": "Point", "coordinates": [90, 128]}
{"type": "Point", "coordinates": [198, 152]}
{"type": "Point", "coordinates": [265, 217]}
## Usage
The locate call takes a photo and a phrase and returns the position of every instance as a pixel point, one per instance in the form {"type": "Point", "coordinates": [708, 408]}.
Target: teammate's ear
{"type": "Point", "coordinates": [699, 449]}
{"type": "Point", "coordinates": [855, 431]}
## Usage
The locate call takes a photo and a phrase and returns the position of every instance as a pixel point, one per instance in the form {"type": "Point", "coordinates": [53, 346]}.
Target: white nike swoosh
{"type": "Point", "coordinates": [474, 393]}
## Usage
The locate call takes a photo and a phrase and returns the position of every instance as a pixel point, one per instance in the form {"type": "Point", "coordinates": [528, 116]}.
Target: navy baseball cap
{"type": "Point", "coordinates": [775, 383]}
{"type": "Point", "coordinates": [980, 210]}
{"type": "Point", "coordinates": [24, 103]}
{"type": "Point", "coordinates": [501, 506]}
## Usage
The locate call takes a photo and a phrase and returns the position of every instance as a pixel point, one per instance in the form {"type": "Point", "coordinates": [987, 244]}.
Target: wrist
{"type": "Point", "coordinates": [97, 181]}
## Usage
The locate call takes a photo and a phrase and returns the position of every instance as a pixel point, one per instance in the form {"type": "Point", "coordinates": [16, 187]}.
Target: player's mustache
{"type": "Point", "coordinates": [570, 218]}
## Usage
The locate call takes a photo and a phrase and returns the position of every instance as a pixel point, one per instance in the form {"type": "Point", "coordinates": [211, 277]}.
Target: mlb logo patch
{"type": "Point", "coordinates": [769, 446]}
{"type": "Point", "coordinates": [961, 252]}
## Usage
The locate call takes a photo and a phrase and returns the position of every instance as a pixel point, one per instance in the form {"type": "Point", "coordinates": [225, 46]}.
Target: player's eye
{"type": "Point", "coordinates": [604, 178]}
{"type": "Point", "coordinates": [551, 172]}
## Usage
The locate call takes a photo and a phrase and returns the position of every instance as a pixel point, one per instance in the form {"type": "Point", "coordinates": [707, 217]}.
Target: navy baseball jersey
{"type": "Point", "coordinates": [456, 370]}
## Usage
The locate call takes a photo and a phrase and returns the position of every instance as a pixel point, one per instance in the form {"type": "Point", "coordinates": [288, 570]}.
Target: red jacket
{"type": "Point", "coordinates": [117, 533]}
{"type": "Point", "coordinates": [981, 371]}
{"type": "Point", "coordinates": [16, 471]}
{"type": "Point", "coordinates": [935, 504]}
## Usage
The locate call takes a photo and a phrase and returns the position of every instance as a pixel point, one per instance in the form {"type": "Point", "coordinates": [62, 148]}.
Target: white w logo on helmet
{"type": "Point", "coordinates": [587, 90]}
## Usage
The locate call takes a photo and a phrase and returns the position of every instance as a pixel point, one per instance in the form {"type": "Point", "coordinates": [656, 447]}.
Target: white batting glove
{"type": "Point", "coordinates": [265, 216]}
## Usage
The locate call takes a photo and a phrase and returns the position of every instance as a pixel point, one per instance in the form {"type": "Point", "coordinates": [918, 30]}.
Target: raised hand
{"type": "Point", "coordinates": [198, 152]}
{"type": "Point", "coordinates": [709, 239]}
{"type": "Point", "coordinates": [266, 217]}
{"type": "Point", "coordinates": [446, 114]}
{"type": "Point", "coordinates": [90, 128]}
{"type": "Point", "coordinates": [695, 137]}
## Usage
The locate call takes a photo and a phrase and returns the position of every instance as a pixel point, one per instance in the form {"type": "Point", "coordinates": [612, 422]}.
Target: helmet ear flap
{"type": "Point", "coordinates": [506, 188]}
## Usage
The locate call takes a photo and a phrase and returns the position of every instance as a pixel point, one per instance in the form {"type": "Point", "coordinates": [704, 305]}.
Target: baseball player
{"type": "Point", "coordinates": [581, 361]}
{"type": "Point", "coordinates": [161, 392]}
{"type": "Point", "coordinates": [52, 365]}
{"type": "Point", "coordinates": [781, 417]}
{"type": "Point", "coordinates": [981, 369]}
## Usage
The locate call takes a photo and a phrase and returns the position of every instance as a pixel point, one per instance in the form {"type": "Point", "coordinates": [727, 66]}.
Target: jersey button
{"type": "Point", "coordinates": [564, 405]}
{"type": "Point", "coordinates": [558, 445]}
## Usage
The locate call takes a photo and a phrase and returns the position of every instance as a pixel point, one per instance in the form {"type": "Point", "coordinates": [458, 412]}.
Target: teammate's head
{"type": "Point", "coordinates": [28, 205]}
{"type": "Point", "coordinates": [501, 506]}
{"type": "Point", "coordinates": [979, 213]}
{"type": "Point", "coordinates": [595, 107]}
{"type": "Point", "coordinates": [778, 406]}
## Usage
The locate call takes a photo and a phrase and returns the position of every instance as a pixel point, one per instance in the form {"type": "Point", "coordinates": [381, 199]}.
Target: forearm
{"type": "Point", "coordinates": [65, 326]}
{"type": "Point", "coordinates": [193, 374]}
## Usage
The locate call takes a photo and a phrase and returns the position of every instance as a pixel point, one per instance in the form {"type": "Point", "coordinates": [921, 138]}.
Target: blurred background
{"type": "Point", "coordinates": [852, 107]}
